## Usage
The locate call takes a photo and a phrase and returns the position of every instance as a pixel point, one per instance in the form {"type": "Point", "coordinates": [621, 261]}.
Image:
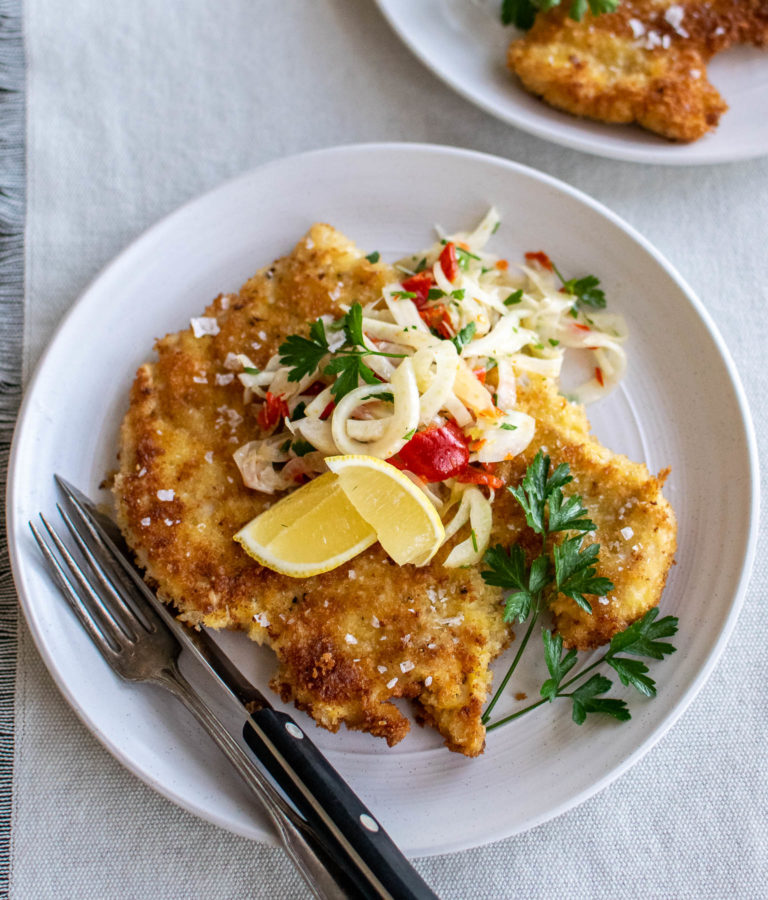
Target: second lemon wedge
{"type": "Point", "coordinates": [406, 523]}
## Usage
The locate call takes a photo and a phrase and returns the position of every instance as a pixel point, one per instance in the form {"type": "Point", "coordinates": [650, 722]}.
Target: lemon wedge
{"type": "Point", "coordinates": [406, 523]}
{"type": "Point", "coordinates": [313, 530]}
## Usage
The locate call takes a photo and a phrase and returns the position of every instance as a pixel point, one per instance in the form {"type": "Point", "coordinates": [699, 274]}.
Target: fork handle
{"type": "Point", "coordinates": [328, 803]}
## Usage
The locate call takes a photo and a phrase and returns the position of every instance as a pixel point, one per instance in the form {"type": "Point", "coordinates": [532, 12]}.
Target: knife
{"type": "Point", "coordinates": [354, 839]}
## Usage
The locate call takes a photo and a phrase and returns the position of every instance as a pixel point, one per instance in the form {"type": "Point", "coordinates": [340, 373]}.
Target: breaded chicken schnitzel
{"type": "Point", "coordinates": [350, 641]}
{"type": "Point", "coordinates": [645, 63]}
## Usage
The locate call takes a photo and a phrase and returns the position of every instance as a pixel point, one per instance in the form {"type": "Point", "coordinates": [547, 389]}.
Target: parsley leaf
{"type": "Point", "coordinates": [353, 326]}
{"type": "Point", "coordinates": [642, 637]}
{"type": "Point", "coordinates": [557, 664]}
{"type": "Point", "coordinates": [349, 370]}
{"type": "Point", "coordinates": [304, 355]}
{"type": "Point", "coordinates": [634, 672]}
{"type": "Point", "coordinates": [568, 515]}
{"type": "Point", "coordinates": [586, 291]}
{"type": "Point", "coordinates": [508, 569]}
{"type": "Point", "coordinates": [536, 488]}
{"type": "Point", "coordinates": [464, 336]}
{"type": "Point", "coordinates": [505, 426]}
{"type": "Point", "coordinates": [515, 297]}
{"type": "Point", "coordinates": [373, 257]}
{"type": "Point", "coordinates": [575, 571]}
{"type": "Point", "coordinates": [519, 13]}
{"type": "Point", "coordinates": [585, 700]}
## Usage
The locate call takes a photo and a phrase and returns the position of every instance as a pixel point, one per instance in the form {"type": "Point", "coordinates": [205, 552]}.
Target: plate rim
{"type": "Point", "coordinates": [746, 559]}
{"type": "Point", "coordinates": [651, 156]}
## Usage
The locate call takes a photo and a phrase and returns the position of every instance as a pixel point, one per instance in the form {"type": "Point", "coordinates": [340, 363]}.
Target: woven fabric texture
{"type": "Point", "coordinates": [133, 108]}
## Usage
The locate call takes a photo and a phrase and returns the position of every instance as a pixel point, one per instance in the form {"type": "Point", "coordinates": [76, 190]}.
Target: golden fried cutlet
{"type": "Point", "coordinates": [350, 641]}
{"type": "Point", "coordinates": [645, 63]}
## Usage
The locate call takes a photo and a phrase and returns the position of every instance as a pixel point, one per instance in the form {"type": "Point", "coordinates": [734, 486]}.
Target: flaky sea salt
{"type": "Point", "coordinates": [166, 495]}
{"type": "Point", "coordinates": [204, 325]}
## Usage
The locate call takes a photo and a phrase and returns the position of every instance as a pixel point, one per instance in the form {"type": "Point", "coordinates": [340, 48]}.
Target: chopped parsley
{"type": "Point", "coordinates": [464, 336]}
{"type": "Point", "coordinates": [373, 257]}
{"type": "Point", "coordinates": [515, 297]}
{"type": "Point", "coordinates": [302, 447]}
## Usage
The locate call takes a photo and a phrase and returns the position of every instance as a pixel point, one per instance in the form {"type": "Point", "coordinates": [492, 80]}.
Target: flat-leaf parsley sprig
{"type": "Point", "coordinates": [569, 568]}
{"type": "Point", "coordinates": [642, 638]}
{"type": "Point", "coordinates": [305, 355]}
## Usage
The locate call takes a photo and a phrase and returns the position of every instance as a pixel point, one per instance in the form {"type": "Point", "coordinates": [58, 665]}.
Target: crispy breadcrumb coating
{"type": "Point", "coordinates": [645, 63]}
{"type": "Point", "coordinates": [350, 641]}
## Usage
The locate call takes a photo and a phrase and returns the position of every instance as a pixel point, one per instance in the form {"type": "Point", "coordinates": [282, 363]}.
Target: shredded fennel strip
{"type": "Point", "coordinates": [520, 321]}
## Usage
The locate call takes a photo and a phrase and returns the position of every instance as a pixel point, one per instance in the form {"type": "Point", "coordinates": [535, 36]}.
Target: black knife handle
{"type": "Point", "coordinates": [321, 795]}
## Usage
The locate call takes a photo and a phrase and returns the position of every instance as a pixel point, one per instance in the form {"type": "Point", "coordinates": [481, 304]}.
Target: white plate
{"type": "Point", "coordinates": [464, 43]}
{"type": "Point", "coordinates": [681, 404]}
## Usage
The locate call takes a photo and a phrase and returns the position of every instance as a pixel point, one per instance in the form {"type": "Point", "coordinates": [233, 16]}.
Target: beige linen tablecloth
{"type": "Point", "coordinates": [135, 107]}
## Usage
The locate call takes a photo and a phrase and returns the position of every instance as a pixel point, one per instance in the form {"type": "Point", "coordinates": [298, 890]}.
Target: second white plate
{"type": "Point", "coordinates": [464, 43]}
{"type": "Point", "coordinates": [681, 405]}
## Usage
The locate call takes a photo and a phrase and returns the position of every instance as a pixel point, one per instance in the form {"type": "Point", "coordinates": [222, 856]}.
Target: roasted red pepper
{"type": "Point", "coordinates": [272, 411]}
{"type": "Point", "coordinates": [419, 284]}
{"type": "Point", "coordinates": [541, 258]}
{"type": "Point", "coordinates": [449, 263]}
{"type": "Point", "coordinates": [471, 475]}
{"type": "Point", "coordinates": [599, 376]}
{"type": "Point", "coordinates": [328, 410]}
{"type": "Point", "coordinates": [437, 317]}
{"type": "Point", "coordinates": [436, 453]}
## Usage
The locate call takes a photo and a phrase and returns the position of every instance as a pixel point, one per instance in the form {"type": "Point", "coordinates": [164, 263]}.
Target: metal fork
{"type": "Point", "coordinates": [139, 647]}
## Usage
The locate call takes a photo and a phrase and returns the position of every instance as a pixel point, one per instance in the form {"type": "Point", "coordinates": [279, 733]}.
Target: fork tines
{"type": "Point", "coordinates": [93, 584]}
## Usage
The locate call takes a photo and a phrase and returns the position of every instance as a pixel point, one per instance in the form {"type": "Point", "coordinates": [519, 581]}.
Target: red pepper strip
{"type": "Point", "coordinates": [541, 258]}
{"type": "Point", "coordinates": [479, 374]}
{"type": "Point", "coordinates": [470, 475]}
{"type": "Point", "coordinates": [599, 376]}
{"type": "Point", "coordinates": [328, 410]}
{"type": "Point", "coordinates": [581, 327]}
{"type": "Point", "coordinates": [436, 453]}
{"type": "Point", "coordinates": [419, 284]}
{"type": "Point", "coordinates": [437, 317]}
{"type": "Point", "coordinates": [314, 389]}
{"type": "Point", "coordinates": [272, 411]}
{"type": "Point", "coordinates": [449, 263]}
